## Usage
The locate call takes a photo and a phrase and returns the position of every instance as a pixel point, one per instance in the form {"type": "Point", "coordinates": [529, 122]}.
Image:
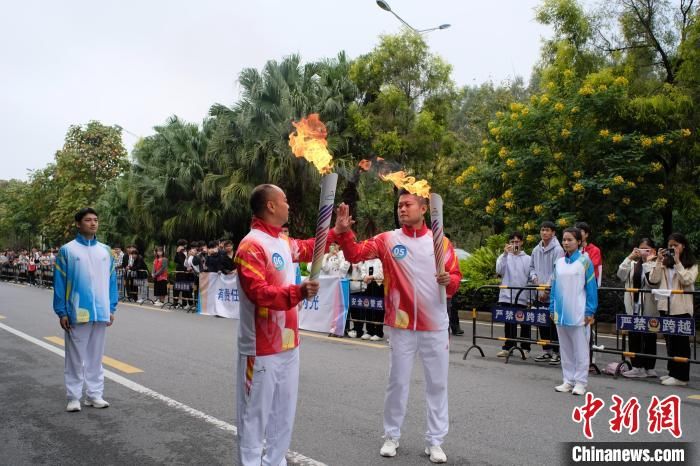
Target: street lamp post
{"type": "Point", "coordinates": [385, 6]}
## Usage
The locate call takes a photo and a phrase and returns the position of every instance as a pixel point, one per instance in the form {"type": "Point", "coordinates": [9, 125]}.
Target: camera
{"type": "Point", "coordinates": [516, 249]}
{"type": "Point", "coordinates": [670, 252]}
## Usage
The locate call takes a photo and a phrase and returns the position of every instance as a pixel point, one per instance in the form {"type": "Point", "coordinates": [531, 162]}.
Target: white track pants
{"type": "Point", "coordinates": [266, 400]}
{"type": "Point", "coordinates": [574, 351]}
{"type": "Point", "coordinates": [434, 351]}
{"type": "Point", "coordinates": [85, 346]}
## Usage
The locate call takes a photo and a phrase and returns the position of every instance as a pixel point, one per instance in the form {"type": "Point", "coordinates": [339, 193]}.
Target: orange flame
{"type": "Point", "coordinates": [409, 183]}
{"type": "Point", "coordinates": [310, 142]}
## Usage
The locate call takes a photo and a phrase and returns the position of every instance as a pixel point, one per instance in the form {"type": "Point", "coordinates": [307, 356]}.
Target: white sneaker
{"type": "Point", "coordinates": [502, 354]}
{"type": "Point", "coordinates": [352, 334]}
{"type": "Point", "coordinates": [664, 377]}
{"type": "Point", "coordinates": [157, 303]}
{"type": "Point", "coordinates": [389, 448]}
{"type": "Point", "coordinates": [96, 403]}
{"type": "Point", "coordinates": [564, 388]}
{"type": "Point", "coordinates": [651, 373]}
{"type": "Point", "coordinates": [526, 353]}
{"type": "Point", "coordinates": [140, 301]}
{"type": "Point", "coordinates": [672, 381]}
{"type": "Point", "coordinates": [366, 336]}
{"type": "Point", "coordinates": [635, 373]}
{"type": "Point", "coordinates": [375, 338]}
{"type": "Point", "coordinates": [436, 454]}
{"type": "Point", "coordinates": [73, 406]}
{"type": "Point", "coordinates": [579, 389]}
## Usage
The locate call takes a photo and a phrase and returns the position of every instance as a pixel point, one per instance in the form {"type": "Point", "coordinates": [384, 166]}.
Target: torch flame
{"type": "Point", "coordinates": [409, 183]}
{"type": "Point", "coordinates": [310, 142]}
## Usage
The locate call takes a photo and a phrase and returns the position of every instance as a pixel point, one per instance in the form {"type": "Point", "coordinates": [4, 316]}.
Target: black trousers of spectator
{"type": "Point", "coordinates": [357, 316]}
{"type": "Point", "coordinates": [511, 331]}
{"type": "Point", "coordinates": [641, 342]}
{"type": "Point", "coordinates": [677, 345]}
{"type": "Point", "coordinates": [374, 315]}
{"type": "Point", "coordinates": [454, 316]}
{"type": "Point", "coordinates": [548, 332]}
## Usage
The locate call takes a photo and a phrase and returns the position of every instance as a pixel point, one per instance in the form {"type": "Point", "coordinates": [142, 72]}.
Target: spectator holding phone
{"type": "Point", "coordinates": [634, 271]}
{"type": "Point", "coordinates": [675, 269]}
{"type": "Point", "coordinates": [514, 268]}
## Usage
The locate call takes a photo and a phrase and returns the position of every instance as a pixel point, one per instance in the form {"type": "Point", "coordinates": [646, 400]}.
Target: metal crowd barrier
{"type": "Point", "coordinates": [532, 315]}
{"type": "Point", "coordinates": [183, 292]}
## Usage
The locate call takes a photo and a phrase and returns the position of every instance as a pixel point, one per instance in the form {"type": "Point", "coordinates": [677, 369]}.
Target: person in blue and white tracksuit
{"type": "Point", "coordinates": [573, 303]}
{"type": "Point", "coordinates": [85, 299]}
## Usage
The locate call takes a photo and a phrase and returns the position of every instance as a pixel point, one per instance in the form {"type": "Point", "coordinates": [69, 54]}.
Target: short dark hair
{"type": "Point", "coordinates": [259, 198]}
{"type": "Point", "coordinates": [405, 192]}
{"type": "Point", "coordinates": [182, 242]}
{"type": "Point", "coordinates": [548, 224]}
{"type": "Point", "coordinates": [213, 244]}
{"type": "Point", "coordinates": [576, 232]}
{"type": "Point", "coordinates": [583, 226]}
{"type": "Point", "coordinates": [228, 242]}
{"type": "Point", "coordinates": [79, 215]}
{"type": "Point", "coordinates": [515, 234]}
{"type": "Point", "coordinates": [649, 242]}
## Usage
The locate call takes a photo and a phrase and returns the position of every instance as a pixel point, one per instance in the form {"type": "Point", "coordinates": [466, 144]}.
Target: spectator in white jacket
{"type": "Point", "coordinates": [513, 265]}
{"type": "Point", "coordinates": [334, 262]}
{"type": "Point", "coordinates": [634, 272]}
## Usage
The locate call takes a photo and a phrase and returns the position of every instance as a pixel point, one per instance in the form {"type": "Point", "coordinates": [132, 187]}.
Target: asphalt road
{"type": "Point", "coordinates": [172, 394]}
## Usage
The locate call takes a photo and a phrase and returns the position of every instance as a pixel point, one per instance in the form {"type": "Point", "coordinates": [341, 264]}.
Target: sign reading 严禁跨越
{"type": "Point", "coordinates": [538, 316]}
{"type": "Point", "coordinates": [666, 325]}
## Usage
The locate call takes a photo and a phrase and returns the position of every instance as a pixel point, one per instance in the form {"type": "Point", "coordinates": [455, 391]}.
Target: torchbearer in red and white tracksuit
{"type": "Point", "coordinates": [268, 334]}
{"type": "Point", "coordinates": [417, 319]}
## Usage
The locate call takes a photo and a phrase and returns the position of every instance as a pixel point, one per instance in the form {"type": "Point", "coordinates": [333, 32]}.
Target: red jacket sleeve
{"type": "Point", "coordinates": [303, 249]}
{"type": "Point", "coordinates": [452, 266]}
{"type": "Point", "coordinates": [251, 265]}
{"type": "Point", "coordinates": [356, 252]}
{"type": "Point", "coordinates": [597, 260]}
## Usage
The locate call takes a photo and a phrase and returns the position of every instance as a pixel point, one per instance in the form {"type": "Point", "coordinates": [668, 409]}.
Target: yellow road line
{"type": "Point", "coordinates": [106, 360]}
{"type": "Point", "coordinates": [347, 341]}
{"type": "Point", "coordinates": [694, 397]}
{"type": "Point", "coordinates": [143, 306]}
{"type": "Point", "coordinates": [2, 317]}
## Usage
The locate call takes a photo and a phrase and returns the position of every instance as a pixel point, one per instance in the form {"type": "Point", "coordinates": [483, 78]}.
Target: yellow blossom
{"type": "Point", "coordinates": [476, 186]}
{"type": "Point", "coordinates": [506, 220]}
{"type": "Point", "coordinates": [484, 151]}
{"type": "Point", "coordinates": [618, 180]}
{"type": "Point", "coordinates": [515, 107]}
{"type": "Point", "coordinates": [661, 187]}
{"type": "Point", "coordinates": [617, 138]}
{"type": "Point", "coordinates": [620, 81]}
{"type": "Point", "coordinates": [531, 238]}
{"type": "Point", "coordinates": [604, 133]}
{"type": "Point", "coordinates": [499, 114]}
{"type": "Point", "coordinates": [471, 169]}
{"type": "Point", "coordinates": [495, 131]}
{"type": "Point", "coordinates": [577, 174]}
{"type": "Point", "coordinates": [536, 151]}
{"type": "Point", "coordinates": [685, 132]}
{"type": "Point", "coordinates": [656, 167]}
{"type": "Point", "coordinates": [660, 203]}
{"type": "Point", "coordinates": [459, 180]}
{"type": "Point", "coordinates": [525, 111]}
{"type": "Point", "coordinates": [574, 110]}
{"type": "Point", "coordinates": [508, 194]}
{"type": "Point", "coordinates": [565, 133]}
{"type": "Point", "coordinates": [492, 202]}
{"type": "Point", "coordinates": [467, 201]}
{"type": "Point", "coordinates": [586, 90]}
{"type": "Point", "coordinates": [659, 139]}
{"type": "Point", "coordinates": [630, 232]}
{"type": "Point", "coordinates": [562, 191]}
{"type": "Point", "coordinates": [514, 116]}
{"type": "Point", "coordinates": [607, 233]}
{"type": "Point", "coordinates": [568, 73]}
{"type": "Point", "coordinates": [612, 217]}
{"type": "Point", "coordinates": [558, 156]}
{"type": "Point", "coordinates": [533, 99]}
{"type": "Point", "coordinates": [578, 187]}
{"type": "Point", "coordinates": [631, 184]}
{"type": "Point", "coordinates": [484, 142]}
{"type": "Point", "coordinates": [509, 205]}
{"type": "Point", "coordinates": [559, 106]}
{"type": "Point", "coordinates": [538, 209]}
{"type": "Point", "coordinates": [602, 88]}
{"type": "Point", "coordinates": [510, 163]}
{"type": "Point", "coordinates": [606, 191]}
{"type": "Point", "coordinates": [489, 209]}
{"type": "Point", "coordinates": [551, 85]}
{"type": "Point", "coordinates": [646, 142]}
{"type": "Point", "coordinates": [562, 222]}
{"type": "Point", "coordinates": [544, 100]}
{"type": "Point", "coordinates": [520, 125]}
{"type": "Point", "coordinates": [626, 200]}
{"type": "Point", "coordinates": [504, 176]}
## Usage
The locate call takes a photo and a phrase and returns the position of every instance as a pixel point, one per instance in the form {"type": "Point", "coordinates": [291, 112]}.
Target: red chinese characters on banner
{"type": "Point", "coordinates": [587, 412]}
{"type": "Point", "coordinates": [662, 415]}
{"type": "Point", "coordinates": [665, 415]}
{"type": "Point", "coordinates": [626, 416]}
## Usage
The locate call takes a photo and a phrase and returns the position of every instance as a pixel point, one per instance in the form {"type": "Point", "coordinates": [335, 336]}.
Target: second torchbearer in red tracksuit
{"type": "Point", "coordinates": [267, 377]}
{"type": "Point", "coordinates": [417, 318]}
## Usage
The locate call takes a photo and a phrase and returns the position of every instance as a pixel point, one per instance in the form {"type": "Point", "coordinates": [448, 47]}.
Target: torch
{"type": "Point", "coordinates": [310, 142]}
{"type": "Point", "coordinates": [325, 210]}
{"type": "Point", "coordinates": [438, 238]}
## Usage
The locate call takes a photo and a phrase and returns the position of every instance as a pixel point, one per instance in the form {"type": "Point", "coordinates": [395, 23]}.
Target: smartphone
{"type": "Point", "coordinates": [370, 271]}
{"type": "Point", "coordinates": [516, 249]}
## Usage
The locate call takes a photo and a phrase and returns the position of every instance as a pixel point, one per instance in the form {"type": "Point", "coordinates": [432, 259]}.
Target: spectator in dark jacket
{"type": "Point", "coordinates": [212, 262]}
{"type": "Point", "coordinates": [227, 265]}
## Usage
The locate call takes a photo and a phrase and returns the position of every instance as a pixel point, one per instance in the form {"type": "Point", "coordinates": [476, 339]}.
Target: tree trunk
{"type": "Point", "coordinates": [667, 216]}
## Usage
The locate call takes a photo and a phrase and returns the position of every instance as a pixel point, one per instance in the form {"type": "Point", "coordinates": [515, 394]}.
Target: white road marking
{"type": "Point", "coordinates": [294, 457]}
